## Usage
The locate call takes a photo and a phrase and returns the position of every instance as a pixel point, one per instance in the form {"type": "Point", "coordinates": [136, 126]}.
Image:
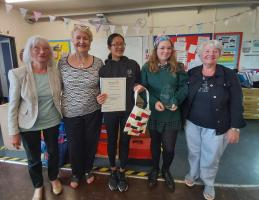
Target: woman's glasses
{"type": "Point", "coordinates": [123, 45]}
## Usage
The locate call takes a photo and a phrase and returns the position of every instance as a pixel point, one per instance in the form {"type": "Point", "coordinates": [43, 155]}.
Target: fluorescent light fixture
{"type": "Point", "coordinates": [18, 1]}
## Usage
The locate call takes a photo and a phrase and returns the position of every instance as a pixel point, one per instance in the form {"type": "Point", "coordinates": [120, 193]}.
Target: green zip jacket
{"type": "Point", "coordinates": [160, 84]}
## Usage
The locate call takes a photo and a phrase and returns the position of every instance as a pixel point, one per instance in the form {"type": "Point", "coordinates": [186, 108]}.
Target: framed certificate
{"type": "Point", "coordinates": [115, 88]}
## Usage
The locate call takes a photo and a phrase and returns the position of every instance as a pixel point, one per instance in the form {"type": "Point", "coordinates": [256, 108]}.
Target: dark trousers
{"type": "Point", "coordinates": [32, 144]}
{"type": "Point", "coordinates": [83, 134]}
{"type": "Point", "coordinates": [115, 123]}
{"type": "Point", "coordinates": [168, 140]}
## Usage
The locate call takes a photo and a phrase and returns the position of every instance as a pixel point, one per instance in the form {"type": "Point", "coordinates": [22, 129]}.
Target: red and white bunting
{"type": "Point", "coordinates": [8, 8]}
{"type": "Point", "coordinates": [124, 30]}
{"type": "Point", "coordinates": [36, 15]}
{"type": "Point", "coordinates": [52, 18]}
{"type": "Point", "coordinates": [23, 11]}
{"type": "Point", "coordinates": [112, 28]}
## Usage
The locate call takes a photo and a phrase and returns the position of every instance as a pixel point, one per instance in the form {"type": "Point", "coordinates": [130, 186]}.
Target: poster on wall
{"type": "Point", "coordinates": [231, 43]}
{"type": "Point", "coordinates": [59, 48]}
{"type": "Point", "coordinates": [250, 54]}
{"type": "Point", "coordinates": [186, 48]}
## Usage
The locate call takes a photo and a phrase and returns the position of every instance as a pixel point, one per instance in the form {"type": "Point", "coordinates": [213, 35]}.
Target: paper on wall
{"type": "Point", "coordinates": [192, 49]}
{"type": "Point", "coordinates": [180, 46]}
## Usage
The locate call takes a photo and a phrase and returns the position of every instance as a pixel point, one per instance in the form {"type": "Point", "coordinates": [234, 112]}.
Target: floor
{"type": "Point", "coordinates": [15, 184]}
{"type": "Point", "coordinates": [237, 179]}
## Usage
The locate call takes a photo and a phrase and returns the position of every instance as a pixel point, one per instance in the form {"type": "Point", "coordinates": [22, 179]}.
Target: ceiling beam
{"type": "Point", "coordinates": [197, 6]}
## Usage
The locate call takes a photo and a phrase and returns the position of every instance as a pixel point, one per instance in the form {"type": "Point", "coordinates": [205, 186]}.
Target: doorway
{"type": "Point", "coordinates": [8, 60]}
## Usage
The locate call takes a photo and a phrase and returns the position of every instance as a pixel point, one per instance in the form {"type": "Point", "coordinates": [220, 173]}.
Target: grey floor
{"type": "Point", "coordinates": [239, 164]}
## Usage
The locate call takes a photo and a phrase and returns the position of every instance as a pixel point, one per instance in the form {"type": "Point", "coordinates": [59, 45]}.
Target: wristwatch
{"type": "Point", "coordinates": [236, 129]}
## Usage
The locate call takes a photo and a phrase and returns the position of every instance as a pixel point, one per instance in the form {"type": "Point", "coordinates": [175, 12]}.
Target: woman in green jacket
{"type": "Point", "coordinates": [166, 82]}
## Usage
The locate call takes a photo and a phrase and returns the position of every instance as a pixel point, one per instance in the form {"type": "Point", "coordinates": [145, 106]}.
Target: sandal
{"type": "Point", "coordinates": [189, 183]}
{"type": "Point", "coordinates": [208, 196]}
{"type": "Point", "coordinates": [89, 178]}
{"type": "Point", "coordinates": [74, 183]}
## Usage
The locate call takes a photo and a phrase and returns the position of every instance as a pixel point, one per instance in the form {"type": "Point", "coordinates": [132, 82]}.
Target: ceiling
{"type": "Point", "coordinates": [88, 7]}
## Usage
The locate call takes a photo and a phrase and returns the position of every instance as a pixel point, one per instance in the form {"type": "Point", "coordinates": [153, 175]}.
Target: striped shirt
{"type": "Point", "coordinates": [80, 88]}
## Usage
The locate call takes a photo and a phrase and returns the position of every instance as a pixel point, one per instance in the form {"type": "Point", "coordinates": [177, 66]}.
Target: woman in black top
{"type": "Point", "coordinates": [118, 65]}
{"type": "Point", "coordinates": [213, 110]}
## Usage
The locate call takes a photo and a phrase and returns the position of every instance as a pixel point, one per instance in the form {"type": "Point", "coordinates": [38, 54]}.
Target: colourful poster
{"type": "Point", "coordinates": [231, 43]}
{"type": "Point", "coordinates": [59, 48]}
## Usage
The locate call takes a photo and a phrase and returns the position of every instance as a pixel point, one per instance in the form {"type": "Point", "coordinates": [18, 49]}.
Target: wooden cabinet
{"type": "Point", "coordinates": [251, 103]}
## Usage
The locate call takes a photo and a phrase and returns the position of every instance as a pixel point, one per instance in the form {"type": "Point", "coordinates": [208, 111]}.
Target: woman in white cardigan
{"type": "Point", "coordinates": [34, 106]}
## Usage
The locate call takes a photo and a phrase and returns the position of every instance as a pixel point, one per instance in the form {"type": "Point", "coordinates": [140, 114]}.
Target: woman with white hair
{"type": "Point", "coordinates": [34, 107]}
{"type": "Point", "coordinates": [213, 110]}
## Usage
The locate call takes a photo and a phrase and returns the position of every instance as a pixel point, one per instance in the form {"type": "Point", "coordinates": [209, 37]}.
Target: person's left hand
{"type": "Point", "coordinates": [139, 88]}
{"type": "Point", "coordinates": [174, 107]}
{"type": "Point", "coordinates": [232, 136]}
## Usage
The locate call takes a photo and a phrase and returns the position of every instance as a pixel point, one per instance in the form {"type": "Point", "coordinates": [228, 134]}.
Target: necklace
{"type": "Point", "coordinates": [82, 63]}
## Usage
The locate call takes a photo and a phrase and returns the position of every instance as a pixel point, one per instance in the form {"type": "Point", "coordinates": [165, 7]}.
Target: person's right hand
{"type": "Point", "coordinates": [101, 98]}
{"type": "Point", "coordinates": [159, 106]}
{"type": "Point", "coordinates": [16, 141]}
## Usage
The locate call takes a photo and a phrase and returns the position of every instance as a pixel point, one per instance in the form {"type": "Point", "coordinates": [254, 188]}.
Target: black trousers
{"type": "Point", "coordinates": [32, 144]}
{"type": "Point", "coordinates": [115, 123]}
{"type": "Point", "coordinates": [83, 134]}
{"type": "Point", "coordinates": [168, 140]}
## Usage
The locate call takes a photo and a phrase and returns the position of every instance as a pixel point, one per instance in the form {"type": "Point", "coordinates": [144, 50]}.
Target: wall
{"type": "Point", "coordinates": [156, 22]}
{"type": "Point", "coordinates": [16, 25]}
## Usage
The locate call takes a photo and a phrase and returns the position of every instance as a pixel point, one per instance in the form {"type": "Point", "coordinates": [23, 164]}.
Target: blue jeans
{"type": "Point", "coordinates": [205, 149]}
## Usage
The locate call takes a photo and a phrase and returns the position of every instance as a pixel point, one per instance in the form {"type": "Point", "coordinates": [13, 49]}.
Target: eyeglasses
{"type": "Point", "coordinates": [81, 27]}
{"type": "Point", "coordinates": [38, 49]}
{"type": "Point", "coordinates": [119, 45]}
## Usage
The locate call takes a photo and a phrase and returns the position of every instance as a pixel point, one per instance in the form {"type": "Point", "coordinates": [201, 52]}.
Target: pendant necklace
{"type": "Point", "coordinates": [82, 64]}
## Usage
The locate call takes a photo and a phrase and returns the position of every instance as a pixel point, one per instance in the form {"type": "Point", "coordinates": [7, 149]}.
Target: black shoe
{"type": "Point", "coordinates": [169, 180]}
{"type": "Point", "coordinates": [113, 181]}
{"type": "Point", "coordinates": [122, 182]}
{"type": "Point", "coordinates": [152, 177]}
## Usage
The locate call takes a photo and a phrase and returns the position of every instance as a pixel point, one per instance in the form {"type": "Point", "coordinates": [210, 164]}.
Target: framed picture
{"type": "Point", "coordinates": [231, 43]}
{"type": "Point", "coordinates": [60, 47]}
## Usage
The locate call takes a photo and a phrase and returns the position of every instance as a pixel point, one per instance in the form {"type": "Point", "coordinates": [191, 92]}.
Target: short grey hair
{"type": "Point", "coordinates": [32, 42]}
{"type": "Point", "coordinates": [211, 43]}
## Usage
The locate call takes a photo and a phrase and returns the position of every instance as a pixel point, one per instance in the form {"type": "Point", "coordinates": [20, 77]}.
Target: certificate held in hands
{"type": "Point", "coordinates": [115, 88]}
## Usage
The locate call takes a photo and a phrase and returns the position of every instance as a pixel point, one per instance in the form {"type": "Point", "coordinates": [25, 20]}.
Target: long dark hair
{"type": "Point", "coordinates": [110, 40]}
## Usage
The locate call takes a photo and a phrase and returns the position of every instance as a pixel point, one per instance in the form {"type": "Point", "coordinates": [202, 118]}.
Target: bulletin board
{"type": "Point", "coordinates": [249, 58]}
{"type": "Point", "coordinates": [231, 43]}
{"type": "Point", "coordinates": [186, 45]}
{"type": "Point", "coordinates": [59, 47]}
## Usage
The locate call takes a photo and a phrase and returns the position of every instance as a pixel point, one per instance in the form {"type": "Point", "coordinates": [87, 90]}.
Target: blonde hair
{"type": "Point", "coordinates": [153, 60]}
{"type": "Point", "coordinates": [83, 28]}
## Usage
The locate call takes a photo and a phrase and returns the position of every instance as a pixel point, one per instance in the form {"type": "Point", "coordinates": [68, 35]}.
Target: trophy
{"type": "Point", "coordinates": [166, 96]}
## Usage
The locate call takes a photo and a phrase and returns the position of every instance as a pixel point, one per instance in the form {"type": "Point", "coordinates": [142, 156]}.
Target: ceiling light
{"type": "Point", "coordinates": [17, 1]}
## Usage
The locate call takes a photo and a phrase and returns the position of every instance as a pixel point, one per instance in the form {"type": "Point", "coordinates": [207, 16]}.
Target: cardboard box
{"type": "Point", "coordinates": [250, 91]}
